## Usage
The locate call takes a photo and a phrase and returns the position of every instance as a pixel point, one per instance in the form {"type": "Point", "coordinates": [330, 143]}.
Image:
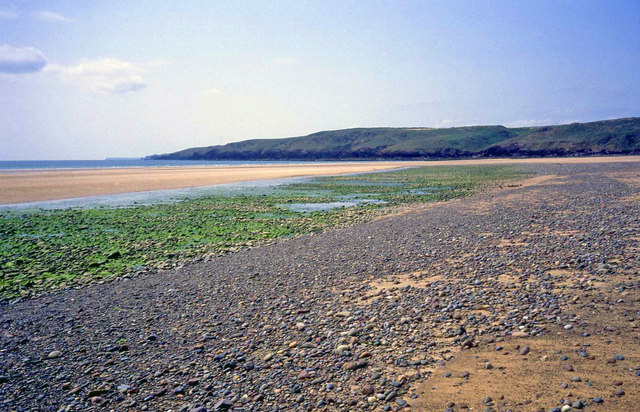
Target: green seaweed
{"type": "Point", "coordinates": [45, 250]}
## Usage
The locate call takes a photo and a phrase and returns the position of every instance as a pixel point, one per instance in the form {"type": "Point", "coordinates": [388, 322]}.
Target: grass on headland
{"type": "Point", "coordinates": [48, 250]}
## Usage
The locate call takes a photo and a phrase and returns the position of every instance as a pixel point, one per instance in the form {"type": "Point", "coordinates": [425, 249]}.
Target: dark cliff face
{"type": "Point", "coordinates": [619, 136]}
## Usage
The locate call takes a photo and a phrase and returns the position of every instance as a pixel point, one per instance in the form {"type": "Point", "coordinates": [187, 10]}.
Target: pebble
{"type": "Point", "coordinates": [368, 390]}
{"type": "Point", "coordinates": [222, 405]}
{"type": "Point", "coordinates": [578, 404]}
{"type": "Point", "coordinates": [284, 326]}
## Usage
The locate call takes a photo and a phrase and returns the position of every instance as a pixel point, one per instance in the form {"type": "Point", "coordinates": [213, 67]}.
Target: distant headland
{"type": "Point", "coordinates": [617, 136]}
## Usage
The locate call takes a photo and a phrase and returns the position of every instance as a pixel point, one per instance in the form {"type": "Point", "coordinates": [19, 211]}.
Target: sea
{"type": "Point", "coordinates": [11, 165]}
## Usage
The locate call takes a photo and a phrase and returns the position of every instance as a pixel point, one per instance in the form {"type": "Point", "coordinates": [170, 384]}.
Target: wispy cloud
{"type": "Point", "coordinates": [108, 75]}
{"type": "Point", "coordinates": [49, 16]}
{"type": "Point", "coordinates": [18, 60]}
{"type": "Point", "coordinates": [8, 15]}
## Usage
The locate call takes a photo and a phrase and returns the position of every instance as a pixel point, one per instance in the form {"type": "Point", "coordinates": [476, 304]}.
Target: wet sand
{"type": "Point", "coordinates": [38, 185]}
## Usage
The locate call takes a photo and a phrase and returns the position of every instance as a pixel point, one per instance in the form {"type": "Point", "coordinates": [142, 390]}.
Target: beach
{"type": "Point", "coordinates": [523, 297]}
{"type": "Point", "coordinates": [40, 185]}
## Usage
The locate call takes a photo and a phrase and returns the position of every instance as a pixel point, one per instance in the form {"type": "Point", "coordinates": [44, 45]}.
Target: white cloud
{"type": "Point", "coordinates": [49, 16]}
{"type": "Point", "coordinates": [16, 60]}
{"type": "Point", "coordinates": [103, 75]}
{"type": "Point", "coordinates": [8, 15]}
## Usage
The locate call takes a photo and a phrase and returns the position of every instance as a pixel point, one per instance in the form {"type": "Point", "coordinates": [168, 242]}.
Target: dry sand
{"type": "Point", "coordinates": [37, 185]}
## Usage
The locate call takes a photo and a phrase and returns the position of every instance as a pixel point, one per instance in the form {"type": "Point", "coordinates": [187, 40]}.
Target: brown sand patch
{"type": "Point", "coordinates": [542, 180]}
{"type": "Point", "coordinates": [414, 279]}
{"type": "Point", "coordinates": [563, 233]}
{"type": "Point", "coordinates": [511, 242]}
{"type": "Point", "coordinates": [630, 178]}
{"type": "Point", "coordinates": [631, 199]}
{"type": "Point", "coordinates": [391, 286]}
{"type": "Point", "coordinates": [527, 383]}
{"type": "Point", "coordinates": [31, 186]}
{"type": "Point", "coordinates": [508, 279]}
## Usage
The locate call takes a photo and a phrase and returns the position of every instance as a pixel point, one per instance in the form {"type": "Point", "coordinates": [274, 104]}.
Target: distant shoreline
{"type": "Point", "coordinates": [43, 165]}
{"type": "Point", "coordinates": [39, 185]}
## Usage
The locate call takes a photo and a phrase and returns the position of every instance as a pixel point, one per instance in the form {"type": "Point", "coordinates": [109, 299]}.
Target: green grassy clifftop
{"type": "Point", "coordinates": [618, 136]}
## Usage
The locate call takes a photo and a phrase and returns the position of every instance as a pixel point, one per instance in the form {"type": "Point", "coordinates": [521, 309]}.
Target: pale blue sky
{"type": "Point", "coordinates": [87, 80]}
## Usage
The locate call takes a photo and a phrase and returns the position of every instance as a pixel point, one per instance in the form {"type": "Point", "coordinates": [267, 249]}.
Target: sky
{"type": "Point", "coordinates": [82, 79]}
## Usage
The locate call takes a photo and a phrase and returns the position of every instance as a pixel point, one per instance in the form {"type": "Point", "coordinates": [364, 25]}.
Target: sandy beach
{"type": "Point", "coordinates": [38, 185]}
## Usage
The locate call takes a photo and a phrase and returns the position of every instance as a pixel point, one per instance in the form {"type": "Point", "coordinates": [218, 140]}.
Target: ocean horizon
{"type": "Point", "coordinates": [8, 165]}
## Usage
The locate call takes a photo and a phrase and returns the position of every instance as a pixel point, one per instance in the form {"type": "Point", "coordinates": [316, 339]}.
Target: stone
{"type": "Point", "coordinates": [351, 366]}
{"type": "Point", "coordinates": [368, 390]}
{"type": "Point", "coordinates": [114, 255]}
{"type": "Point", "coordinates": [97, 400]}
{"type": "Point", "coordinates": [340, 349]}
{"type": "Point", "coordinates": [222, 405]}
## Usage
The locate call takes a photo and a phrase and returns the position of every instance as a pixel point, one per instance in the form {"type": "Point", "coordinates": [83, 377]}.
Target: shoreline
{"type": "Point", "coordinates": [184, 164]}
{"type": "Point", "coordinates": [40, 185]}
